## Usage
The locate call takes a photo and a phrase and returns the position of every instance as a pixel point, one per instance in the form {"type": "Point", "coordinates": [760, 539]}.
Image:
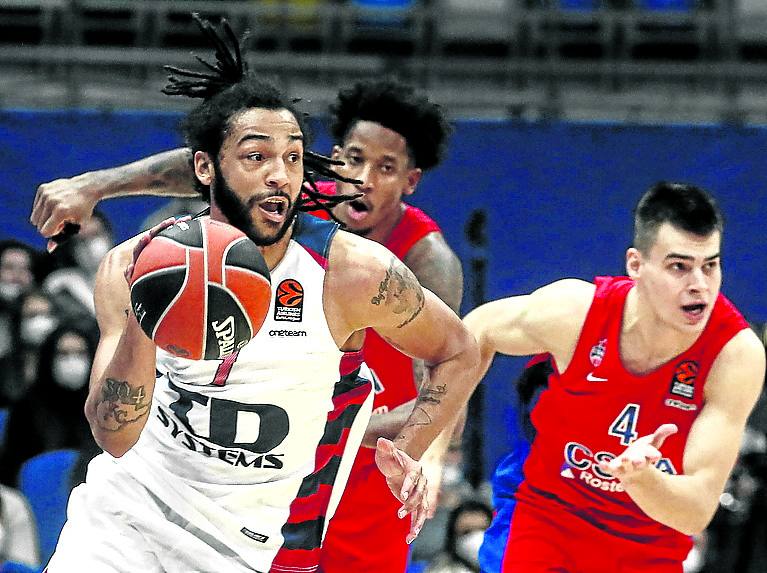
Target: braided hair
{"type": "Point", "coordinates": [228, 87]}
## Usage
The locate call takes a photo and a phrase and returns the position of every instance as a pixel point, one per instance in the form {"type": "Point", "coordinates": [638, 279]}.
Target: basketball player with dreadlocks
{"type": "Point", "coordinates": [167, 495]}
{"type": "Point", "coordinates": [386, 136]}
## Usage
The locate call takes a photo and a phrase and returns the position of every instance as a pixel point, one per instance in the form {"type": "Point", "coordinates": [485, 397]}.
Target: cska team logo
{"type": "Point", "coordinates": [598, 353]}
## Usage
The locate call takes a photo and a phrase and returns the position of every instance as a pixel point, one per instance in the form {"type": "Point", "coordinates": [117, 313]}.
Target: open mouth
{"type": "Point", "coordinates": [358, 210]}
{"type": "Point", "coordinates": [274, 207]}
{"type": "Point", "coordinates": [694, 310]}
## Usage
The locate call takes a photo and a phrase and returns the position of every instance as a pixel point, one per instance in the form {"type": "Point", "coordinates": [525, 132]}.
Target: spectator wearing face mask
{"type": "Point", "coordinates": [19, 273]}
{"type": "Point", "coordinates": [78, 259]}
{"type": "Point", "coordinates": [465, 528]}
{"type": "Point", "coordinates": [50, 416]}
{"type": "Point", "coordinates": [18, 533]}
{"type": "Point", "coordinates": [36, 318]}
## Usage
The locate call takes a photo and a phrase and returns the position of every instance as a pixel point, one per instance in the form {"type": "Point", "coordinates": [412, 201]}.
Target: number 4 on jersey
{"type": "Point", "coordinates": [625, 425]}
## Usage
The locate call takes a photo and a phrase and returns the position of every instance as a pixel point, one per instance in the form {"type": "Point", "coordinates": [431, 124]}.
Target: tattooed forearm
{"type": "Point", "coordinates": [120, 404]}
{"type": "Point", "coordinates": [400, 290]}
{"type": "Point", "coordinates": [432, 394]}
{"type": "Point", "coordinates": [419, 417]}
{"type": "Point", "coordinates": [173, 173]}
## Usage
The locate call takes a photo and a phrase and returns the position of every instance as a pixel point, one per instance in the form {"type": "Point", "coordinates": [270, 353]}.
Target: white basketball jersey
{"type": "Point", "coordinates": [254, 450]}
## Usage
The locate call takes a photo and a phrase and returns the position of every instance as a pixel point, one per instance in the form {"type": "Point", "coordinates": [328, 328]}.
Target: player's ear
{"type": "Point", "coordinates": [203, 167]}
{"type": "Point", "coordinates": [413, 177]}
{"type": "Point", "coordinates": [633, 262]}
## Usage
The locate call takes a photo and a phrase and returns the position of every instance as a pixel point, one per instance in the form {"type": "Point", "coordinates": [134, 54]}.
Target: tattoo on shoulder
{"type": "Point", "coordinates": [401, 291]}
{"type": "Point", "coordinates": [120, 404]}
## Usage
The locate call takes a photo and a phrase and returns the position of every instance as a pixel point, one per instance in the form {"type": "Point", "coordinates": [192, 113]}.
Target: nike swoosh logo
{"type": "Point", "coordinates": [591, 378]}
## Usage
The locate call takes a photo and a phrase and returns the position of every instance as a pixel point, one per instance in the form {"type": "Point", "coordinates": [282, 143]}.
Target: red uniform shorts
{"type": "Point", "coordinates": [544, 541]}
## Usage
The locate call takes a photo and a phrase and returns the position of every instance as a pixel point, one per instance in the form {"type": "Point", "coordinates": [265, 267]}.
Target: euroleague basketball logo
{"type": "Point", "coordinates": [289, 301]}
{"type": "Point", "coordinates": [598, 352]}
{"type": "Point", "coordinates": [683, 382]}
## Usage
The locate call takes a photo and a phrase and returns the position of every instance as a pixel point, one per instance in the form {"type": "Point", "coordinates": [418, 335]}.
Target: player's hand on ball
{"type": "Point", "coordinates": [148, 236]}
{"type": "Point", "coordinates": [406, 481]}
{"type": "Point", "coordinates": [641, 454]}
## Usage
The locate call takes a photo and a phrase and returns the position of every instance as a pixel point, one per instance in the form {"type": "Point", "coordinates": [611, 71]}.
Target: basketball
{"type": "Point", "coordinates": [200, 289]}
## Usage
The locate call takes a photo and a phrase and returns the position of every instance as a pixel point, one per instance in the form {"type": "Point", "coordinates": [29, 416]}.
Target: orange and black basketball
{"type": "Point", "coordinates": [201, 289]}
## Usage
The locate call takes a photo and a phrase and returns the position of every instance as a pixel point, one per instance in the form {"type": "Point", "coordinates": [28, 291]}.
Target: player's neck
{"type": "Point", "coordinates": [646, 341]}
{"type": "Point", "coordinates": [381, 232]}
{"type": "Point", "coordinates": [273, 254]}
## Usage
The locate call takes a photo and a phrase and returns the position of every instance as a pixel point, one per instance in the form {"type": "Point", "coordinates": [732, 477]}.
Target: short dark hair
{"type": "Point", "coordinates": [684, 206]}
{"type": "Point", "coordinates": [468, 505]}
{"type": "Point", "coordinates": [395, 106]}
{"type": "Point", "coordinates": [37, 262]}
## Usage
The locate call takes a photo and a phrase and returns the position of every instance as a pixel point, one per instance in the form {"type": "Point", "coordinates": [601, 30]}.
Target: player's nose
{"type": "Point", "coordinates": [278, 174]}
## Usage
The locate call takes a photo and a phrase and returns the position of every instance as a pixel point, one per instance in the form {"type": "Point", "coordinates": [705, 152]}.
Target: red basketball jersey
{"type": "Point", "coordinates": [596, 408]}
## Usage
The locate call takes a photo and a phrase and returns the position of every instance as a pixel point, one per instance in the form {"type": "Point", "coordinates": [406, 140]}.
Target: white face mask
{"type": "Point", "coordinates": [89, 253]}
{"type": "Point", "coordinates": [9, 292]}
{"type": "Point", "coordinates": [467, 546]}
{"type": "Point", "coordinates": [71, 371]}
{"type": "Point", "coordinates": [36, 328]}
{"type": "Point", "coordinates": [451, 475]}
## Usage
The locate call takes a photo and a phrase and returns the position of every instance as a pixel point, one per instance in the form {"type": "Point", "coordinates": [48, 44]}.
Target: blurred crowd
{"type": "Point", "coordinates": [48, 336]}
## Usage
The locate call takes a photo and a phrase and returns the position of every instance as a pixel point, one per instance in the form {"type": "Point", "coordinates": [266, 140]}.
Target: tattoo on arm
{"type": "Point", "coordinates": [169, 173]}
{"type": "Point", "coordinates": [120, 404]}
{"type": "Point", "coordinates": [420, 374]}
{"type": "Point", "coordinates": [430, 395]}
{"type": "Point", "coordinates": [400, 290]}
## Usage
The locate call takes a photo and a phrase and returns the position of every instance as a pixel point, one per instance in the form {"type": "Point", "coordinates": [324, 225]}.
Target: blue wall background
{"type": "Point", "coordinates": [558, 196]}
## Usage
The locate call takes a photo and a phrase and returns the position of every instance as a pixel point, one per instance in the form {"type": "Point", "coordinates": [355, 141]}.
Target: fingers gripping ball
{"type": "Point", "coordinates": [200, 289]}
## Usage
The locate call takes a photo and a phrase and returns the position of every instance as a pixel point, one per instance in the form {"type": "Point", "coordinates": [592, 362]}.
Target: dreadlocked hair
{"type": "Point", "coordinates": [228, 88]}
{"type": "Point", "coordinates": [395, 106]}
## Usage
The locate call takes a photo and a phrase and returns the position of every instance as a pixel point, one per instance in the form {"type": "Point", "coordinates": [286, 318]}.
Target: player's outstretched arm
{"type": "Point", "coordinates": [438, 269]}
{"type": "Point", "coordinates": [72, 200]}
{"type": "Point", "coordinates": [687, 502]}
{"type": "Point", "coordinates": [547, 320]}
{"type": "Point", "coordinates": [123, 373]}
{"type": "Point", "coordinates": [376, 290]}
